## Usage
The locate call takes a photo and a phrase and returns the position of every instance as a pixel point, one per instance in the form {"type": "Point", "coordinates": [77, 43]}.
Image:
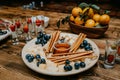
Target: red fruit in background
{"type": "Point", "coordinates": [17, 23]}
{"type": "Point", "coordinates": [29, 20]}
{"type": "Point", "coordinates": [25, 29]}
{"type": "Point", "coordinates": [110, 58]}
{"type": "Point", "coordinates": [12, 27]}
{"type": "Point", "coordinates": [38, 22]}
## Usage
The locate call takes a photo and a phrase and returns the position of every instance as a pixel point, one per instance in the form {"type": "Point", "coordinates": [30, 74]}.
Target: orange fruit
{"type": "Point", "coordinates": [76, 11]}
{"type": "Point", "coordinates": [78, 20]}
{"type": "Point", "coordinates": [90, 23]}
{"type": "Point", "coordinates": [96, 17]}
{"type": "Point", "coordinates": [72, 18]}
{"type": "Point", "coordinates": [90, 13]}
{"type": "Point", "coordinates": [104, 19]}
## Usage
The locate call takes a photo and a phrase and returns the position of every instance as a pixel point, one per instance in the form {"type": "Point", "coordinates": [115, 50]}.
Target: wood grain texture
{"type": "Point", "coordinates": [13, 68]}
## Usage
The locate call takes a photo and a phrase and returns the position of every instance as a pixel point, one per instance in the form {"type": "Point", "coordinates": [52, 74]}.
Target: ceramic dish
{"type": "Point", "coordinates": [32, 48]}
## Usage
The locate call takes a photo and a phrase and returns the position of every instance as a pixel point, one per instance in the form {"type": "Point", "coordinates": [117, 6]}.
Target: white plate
{"type": "Point", "coordinates": [5, 35]}
{"type": "Point", "coordinates": [30, 47]}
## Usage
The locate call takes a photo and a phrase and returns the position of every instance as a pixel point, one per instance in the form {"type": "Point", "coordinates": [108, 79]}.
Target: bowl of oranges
{"type": "Point", "coordinates": [89, 19]}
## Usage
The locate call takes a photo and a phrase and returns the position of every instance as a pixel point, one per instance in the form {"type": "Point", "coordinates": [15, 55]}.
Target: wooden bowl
{"type": "Point", "coordinates": [91, 32]}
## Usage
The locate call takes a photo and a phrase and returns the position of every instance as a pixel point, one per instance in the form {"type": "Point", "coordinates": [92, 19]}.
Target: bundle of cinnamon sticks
{"type": "Point", "coordinates": [61, 58]}
{"type": "Point", "coordinates": [77, 43]}
{"type": "Point", "coordinates": [54, 37]}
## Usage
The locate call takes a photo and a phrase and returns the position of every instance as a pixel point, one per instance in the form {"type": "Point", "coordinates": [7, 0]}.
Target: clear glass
{"type": "Point", "coordinates": [118, 48]}
{"type": "Point", "coordinates": [18, 22]}
{"type": "Point", "coordinates": [14, 37]}
{"type": "Point", "coordinates": [40, 23]}
{"type": "Point", "coordinates": [26, 32]}
{"type": "Point", "coordinates": [110, 54]}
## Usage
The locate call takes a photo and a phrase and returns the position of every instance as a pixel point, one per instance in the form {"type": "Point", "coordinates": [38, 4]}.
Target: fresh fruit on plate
{"type": "Point", "coordinates": [42, 38]}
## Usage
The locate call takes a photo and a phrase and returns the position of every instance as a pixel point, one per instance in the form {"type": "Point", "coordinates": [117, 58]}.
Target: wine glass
{"type": "Point", "coordinates": [27, 32]}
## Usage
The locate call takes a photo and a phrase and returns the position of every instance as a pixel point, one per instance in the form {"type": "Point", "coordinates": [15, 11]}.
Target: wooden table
{"type": "Point", "coordinates": [13, 68]}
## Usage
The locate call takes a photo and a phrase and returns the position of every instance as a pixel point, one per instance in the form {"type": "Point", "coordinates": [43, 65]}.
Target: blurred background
{"type": "Point", "coordinates": [65, 6]}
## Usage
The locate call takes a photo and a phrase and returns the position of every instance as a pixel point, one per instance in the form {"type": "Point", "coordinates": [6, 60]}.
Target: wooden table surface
{"type": "Point", "coordinates": [13, 68]}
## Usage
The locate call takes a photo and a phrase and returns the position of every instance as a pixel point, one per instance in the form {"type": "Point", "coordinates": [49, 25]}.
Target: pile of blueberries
{"type": "Point", "coordinates": [2, 32]}
{"type": "Point", "coordinates": [87, 46]}
{"type": "Point", "coordinates": [77, 65]}
{"type": "Point", "coordinates": [38, 58]}
{"type": "Point", "coordinates": [42, 38]}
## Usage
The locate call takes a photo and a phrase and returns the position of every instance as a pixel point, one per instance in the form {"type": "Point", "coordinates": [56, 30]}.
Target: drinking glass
{"type": "Point", "coordinates": [18, 27]}
{"type": "Point", "coordinates": [26, 32]}
{"type": "Point", "coordinates": [38, 25]}
{"type": "Point", "coordinates": [42, 22]}
{"type": "Point", "coordinates": [110, 54]}
{"type": "Point", "coordinates": [31, 24]}
{"type": "Point", "coordinates": [14, 37]}
{"type": "Point", "coordinates": [118, 48]}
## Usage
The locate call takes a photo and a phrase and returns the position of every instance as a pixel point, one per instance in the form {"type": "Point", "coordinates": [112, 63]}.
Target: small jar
{"type": "Point", "coordinates": [61, 48]}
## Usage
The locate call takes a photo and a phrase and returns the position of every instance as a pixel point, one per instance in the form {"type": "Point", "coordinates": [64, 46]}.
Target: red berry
{"type": "Point", "coordinates": [17, 23]}
{"type": "Point", "coordinates": [29, 21]}
{"type": "Point", "coordinates": [25, 29]}
{"type": "Point", "coordinates": [110, 58]}
{"type": "Point", "coordinates": [38, 22]}
{"type": "Point", "coordinates": [12, 27]}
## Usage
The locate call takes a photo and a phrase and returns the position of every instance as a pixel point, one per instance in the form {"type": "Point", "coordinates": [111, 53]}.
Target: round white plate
{"type": "Point", "coordinates": [31, 47]}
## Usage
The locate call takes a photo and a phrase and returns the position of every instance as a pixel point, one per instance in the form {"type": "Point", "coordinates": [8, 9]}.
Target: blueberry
{"type": "Point", "coordinates": [49, 37]}
{"type": "Point", "coordinates": [77, 65]}
{"type": "Point", "coordinates": [38, 37]}
{"type": "Point", "coordinates": [66, 68]}
{"type": "Point", "coordinates": [4, 32]}
{"type": "Point", "coordinates": [37, 42]}
{"type": "Point", "coordinates": [44, 41]}
{"type": "Point", "coordinates": [62, 40]}
{"type": "Point", "coordinates": [41, 34]}
{"type": "Point", "coordinates": [82, 64]}
{"type": "Point", "coordinates": [1, 33]}
{"type": "Point", "coordinates": [85, 42]}
{"type": "Point", "coordinates": [30, 59]}
{"type": "Point", "coordinates": [38, 56]}
{"type": "Point", "coordinates": [43, 60]}
{"type": "Point", "coordinates": [27, 56]}
{"type": "Point", "coordinates": [67, 62]}
{"type": "Point", "coordinates": [46, 37]}
{"type": "Point", "coordinates": [88, 47]}
{"type": "Point", "coordinates": [38, 63]}
{"type": "Point", "coordinates": [69, 67]}
{"type": "Point", "coordinates": [42, 44]}
{"type": "Point", "coordinates": [81, 45]}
